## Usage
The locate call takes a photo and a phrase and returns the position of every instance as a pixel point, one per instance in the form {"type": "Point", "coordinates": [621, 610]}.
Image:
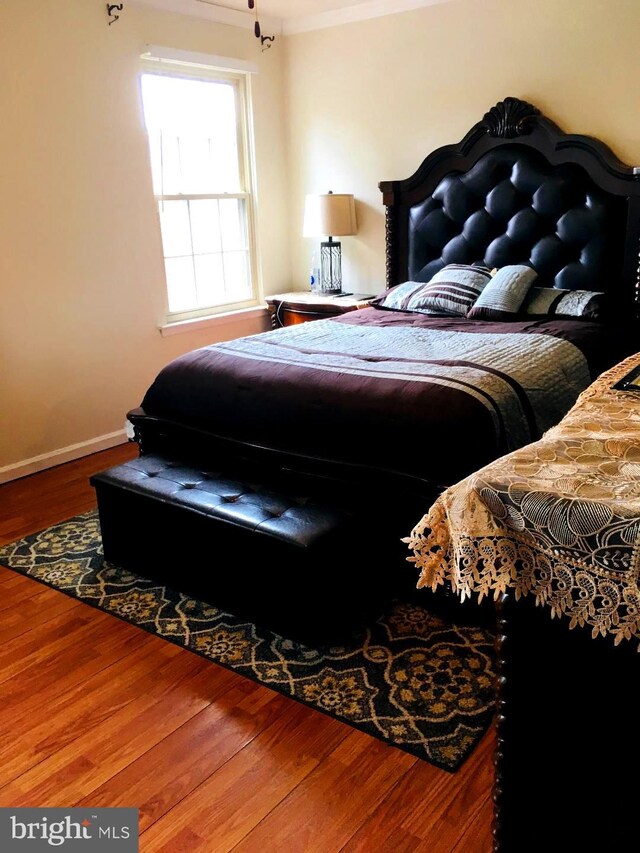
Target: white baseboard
{"type": "Point", "coordinates": [57, 457]}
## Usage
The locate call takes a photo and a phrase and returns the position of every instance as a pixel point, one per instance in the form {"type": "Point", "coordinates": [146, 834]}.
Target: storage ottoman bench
{"type": "Point", "coordinates": [302, 568]}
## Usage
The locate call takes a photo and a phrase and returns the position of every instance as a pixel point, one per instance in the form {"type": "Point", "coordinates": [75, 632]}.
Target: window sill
{"type": "Point", "coordinates": [182, 326]}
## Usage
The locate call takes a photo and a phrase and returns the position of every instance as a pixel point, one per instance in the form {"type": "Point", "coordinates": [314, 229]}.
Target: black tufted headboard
{"type": "Point", "coordinates": [517, 189]}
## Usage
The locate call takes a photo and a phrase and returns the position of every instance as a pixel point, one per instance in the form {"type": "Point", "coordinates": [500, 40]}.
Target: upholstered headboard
{"type": "Point", "coordinates": [517, 189]}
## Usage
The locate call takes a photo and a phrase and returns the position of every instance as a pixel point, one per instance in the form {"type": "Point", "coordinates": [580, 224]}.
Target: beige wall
{"type": "Point", "coordinates": [81, 279]}
{"type": "Point", "coordinates": [81, 276]}
{"type": "Point", "coordinates": [368, 101]}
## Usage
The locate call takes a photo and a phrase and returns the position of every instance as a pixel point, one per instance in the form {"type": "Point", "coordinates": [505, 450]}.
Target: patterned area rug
{"type": "Point", "coordinates": [410, 679]}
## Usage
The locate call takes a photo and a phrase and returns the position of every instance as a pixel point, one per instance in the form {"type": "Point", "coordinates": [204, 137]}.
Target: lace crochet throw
{"type": "Point", "coordinates": [558, 519]}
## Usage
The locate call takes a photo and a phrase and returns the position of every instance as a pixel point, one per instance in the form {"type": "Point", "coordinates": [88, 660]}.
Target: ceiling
{"type": "Point", "coordinates": [289, 9]}
{"type": "Point", "coordinates": [290, 16]}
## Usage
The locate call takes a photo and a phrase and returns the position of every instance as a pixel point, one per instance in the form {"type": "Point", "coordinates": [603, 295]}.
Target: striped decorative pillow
{"type": "Point", "coordinates": [397, 298]}
{"type": "Point", "coordinates": [450, 293]}
{"type": "Point", "coordinates": [502, 298]}
{"type": "Point", "coordinates": [552, 302]}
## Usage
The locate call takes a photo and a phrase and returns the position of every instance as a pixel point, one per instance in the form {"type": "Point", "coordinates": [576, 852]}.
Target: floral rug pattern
{"type": "Point", "coordinates": [410, 679]}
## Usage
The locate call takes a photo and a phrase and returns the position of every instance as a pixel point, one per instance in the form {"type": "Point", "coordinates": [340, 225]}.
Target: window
{"type": "Point", "coordinates": [197, 122]}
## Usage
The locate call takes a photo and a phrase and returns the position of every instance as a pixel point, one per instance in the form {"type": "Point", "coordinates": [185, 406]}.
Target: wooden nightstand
{"type": "Point", "coordinates": [288, 309]}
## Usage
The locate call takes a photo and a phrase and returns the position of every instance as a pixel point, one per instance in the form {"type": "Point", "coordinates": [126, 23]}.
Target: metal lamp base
{"type": "Point", "coordinates": [330, 267]}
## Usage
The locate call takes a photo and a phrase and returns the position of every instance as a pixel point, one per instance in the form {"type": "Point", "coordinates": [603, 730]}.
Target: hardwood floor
{"type": "Point", "coordinates": [96, 712]}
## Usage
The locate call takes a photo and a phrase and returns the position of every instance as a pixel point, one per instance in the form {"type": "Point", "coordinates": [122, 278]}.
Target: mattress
{"type": "Point", "coordinates": [430, 398]}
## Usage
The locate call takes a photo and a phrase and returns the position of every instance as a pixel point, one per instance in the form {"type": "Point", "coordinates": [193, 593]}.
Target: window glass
{"type": "Point", "coordinates": [198, 150]}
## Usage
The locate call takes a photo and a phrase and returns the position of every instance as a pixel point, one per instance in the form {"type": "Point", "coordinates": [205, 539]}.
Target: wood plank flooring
{"type": "Point", "coordinates": [96, 712]}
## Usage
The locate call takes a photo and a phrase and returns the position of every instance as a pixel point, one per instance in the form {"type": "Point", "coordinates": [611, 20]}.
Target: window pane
{"type": "Point", "coordinates": [205, 226]}
{"type": "Point", "coordinates": [176, 232]}
{"type": "Point", "coordinates": [236, 275]}
{"type": "Point", "coordinates": [155, 143]}
{"type": "Point", "coordinates": [196, 122]}
{"type": "Point", "coordinates": [180, 284]}
{"type": "Point", "coordinates": [169, 178]}
{"type": "Point", "coordinates": [209, 280]}
{"type": "Point", "coordinates": [233, 225]}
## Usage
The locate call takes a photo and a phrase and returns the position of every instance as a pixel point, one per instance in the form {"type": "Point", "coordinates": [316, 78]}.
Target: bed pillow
{"type": "Point", "coordinates": [450, 293]}
{"type": "Point", "coordinates": [398, 297]}
{"type": "Point", "coordinates": [503, 297]}
{"type": "Point", "coordinates": [551, 302]}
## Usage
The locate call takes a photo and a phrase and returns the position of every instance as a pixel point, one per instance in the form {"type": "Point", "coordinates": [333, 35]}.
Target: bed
{"type": "Point", "coordinates": [381, 402]}
{"type": "Point", "coordinates": [552, 532]}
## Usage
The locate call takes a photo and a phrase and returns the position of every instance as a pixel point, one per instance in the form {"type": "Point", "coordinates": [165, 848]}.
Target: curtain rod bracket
{"type": "Point", "coordinates": [112, 8]}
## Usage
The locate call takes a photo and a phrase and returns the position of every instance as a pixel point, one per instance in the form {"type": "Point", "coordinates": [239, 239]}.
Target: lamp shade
{"type": "Point", "coordinates": [330, 214]}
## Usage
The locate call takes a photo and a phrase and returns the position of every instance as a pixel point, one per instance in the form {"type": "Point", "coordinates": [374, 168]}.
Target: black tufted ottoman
{"type": "Point", "coordinates": [292, 564]}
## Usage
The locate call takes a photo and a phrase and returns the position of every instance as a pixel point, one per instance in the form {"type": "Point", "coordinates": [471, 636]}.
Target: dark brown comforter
{"type": "Point", "coordinates": [432, 398]}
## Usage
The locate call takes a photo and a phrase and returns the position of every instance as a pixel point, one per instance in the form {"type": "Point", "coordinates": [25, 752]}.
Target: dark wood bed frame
{"type": "Point", "coordinates": [514, 122]}
{"type": "Point", "coordinates": [566, 721]}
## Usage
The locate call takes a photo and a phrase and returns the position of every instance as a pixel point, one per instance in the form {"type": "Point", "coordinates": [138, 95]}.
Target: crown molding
{"type": "Point", "coordinates": [351, 14]}
{"type": "Point", "coordinates": [208, 11]}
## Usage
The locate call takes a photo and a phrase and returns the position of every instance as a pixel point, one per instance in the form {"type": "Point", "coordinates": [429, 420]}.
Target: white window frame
{"type": "Point", "coordinates": [199, 69]}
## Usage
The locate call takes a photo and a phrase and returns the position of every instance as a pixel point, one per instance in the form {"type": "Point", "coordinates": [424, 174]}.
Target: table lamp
{"type": "Point", "coordinates": [331, 214]}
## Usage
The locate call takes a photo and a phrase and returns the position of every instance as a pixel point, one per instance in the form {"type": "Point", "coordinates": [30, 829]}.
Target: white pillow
{"type": "Point", "coordinates": [503, 297]}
